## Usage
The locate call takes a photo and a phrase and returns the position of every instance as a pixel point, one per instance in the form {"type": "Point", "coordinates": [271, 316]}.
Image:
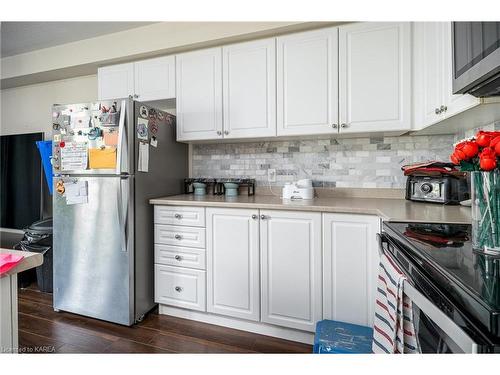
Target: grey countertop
{"type": "Point", "coordinates": [387, 209]}
{"type": "Point", "coordinates": [29, 261]}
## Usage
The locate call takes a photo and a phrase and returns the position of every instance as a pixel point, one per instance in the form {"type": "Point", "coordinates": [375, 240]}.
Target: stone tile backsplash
{"type": "Point", "coordinates": [330, 162]}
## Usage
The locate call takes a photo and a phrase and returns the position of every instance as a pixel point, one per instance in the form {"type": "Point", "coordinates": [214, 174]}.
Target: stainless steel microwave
{"type": "Point", "coordinates": [476, 58]}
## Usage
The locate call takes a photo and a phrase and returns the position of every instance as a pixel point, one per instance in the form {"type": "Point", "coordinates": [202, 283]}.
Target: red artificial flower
{"type": "Point", "coordinates": [470, 148]}
{"type": "Point", "coordinates": [487, 164]}
{"type": "Point", "coordinates": [483, 139]}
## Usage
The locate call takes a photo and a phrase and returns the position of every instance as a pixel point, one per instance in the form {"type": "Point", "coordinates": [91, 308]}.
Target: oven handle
{"type": "Point", "coordinates": [448, 326]}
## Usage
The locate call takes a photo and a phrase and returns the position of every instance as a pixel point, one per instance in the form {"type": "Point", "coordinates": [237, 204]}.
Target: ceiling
{"type": "Point", "coordinates": [21, 37]}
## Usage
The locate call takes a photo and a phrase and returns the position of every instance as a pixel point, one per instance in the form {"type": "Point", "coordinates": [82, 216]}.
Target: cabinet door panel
{"type": "Point", "coordinates": [307, 78]}
{"type": "Point", "coordinates": [233, 263]}
{"type": "Point", "coordinates": [116, 81]}
{"type": "Point", "coordinates": [249, 78]}
{"type": "Point", "coordinates": [350, 266]}
{"type": "Point", "coordinates": [428, 72]}
{"type": "Point", "coordinates": [375, 77]}
{"type": "Point", "coordinates": [155, 78]}
{"type": "Point", "coordinates": [291, 269]}
{"type": "Point", "coordinates": [199, 95]}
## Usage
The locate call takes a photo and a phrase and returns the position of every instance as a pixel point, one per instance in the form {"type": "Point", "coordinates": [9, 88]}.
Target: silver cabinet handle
{"type": "Point", "coordinates": [178, 257]}
{"type": "Point", "coordinates": [335, 126]}
{"type": "Point", "coordinates": [178, 216]}
{"type": "Point", "coordinates": [226, 132]}
{"type": "Point", "coordinates": [255, 217]}
{"type": "Point", "coordinates": [219, 132]}
{"type": "Point", "coordinates": [343, 126]}
{"type": "Point", "coordinates": [178, 237]}
{"type": "Point", "coordinates": [263, 217]}
{"type": "Point", "coordinates": [178, 289]}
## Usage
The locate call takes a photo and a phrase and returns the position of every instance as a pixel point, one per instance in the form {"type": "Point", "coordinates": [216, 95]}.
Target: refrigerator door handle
{"type": "Point", "coordinates": [123, 212]}
{"type": "Point", "coordinates": [121, 135]}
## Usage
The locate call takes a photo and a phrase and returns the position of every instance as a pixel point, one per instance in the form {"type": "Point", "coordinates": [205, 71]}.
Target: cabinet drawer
{"type": "Point", "coordinates": [180, 236]}
{"type": "Point", "coordinates": [192, 216]}
{"type": "Point", "coordinates": [180, 256]}
{"type": "Point", "coordinates": [180, 287]}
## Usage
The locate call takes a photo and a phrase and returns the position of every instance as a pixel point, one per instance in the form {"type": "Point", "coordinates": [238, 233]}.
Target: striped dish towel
{"type": "Point", "coordinates": [393, 329]}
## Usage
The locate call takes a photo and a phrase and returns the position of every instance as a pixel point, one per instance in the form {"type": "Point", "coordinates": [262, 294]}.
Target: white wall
{"type": "Point", "coordinates": [27, 109]}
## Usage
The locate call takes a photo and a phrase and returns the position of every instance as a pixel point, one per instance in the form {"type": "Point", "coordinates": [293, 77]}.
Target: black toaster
{"type": "Point", "coordinates": [445, 189]}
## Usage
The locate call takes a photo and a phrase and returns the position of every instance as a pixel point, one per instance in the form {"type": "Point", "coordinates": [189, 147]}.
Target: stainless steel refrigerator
{"type": "Point", "coordinates": [109, 159]}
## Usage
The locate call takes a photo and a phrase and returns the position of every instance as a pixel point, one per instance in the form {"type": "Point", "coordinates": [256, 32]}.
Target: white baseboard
{"type": "Point", "coordinates": [243, 325]}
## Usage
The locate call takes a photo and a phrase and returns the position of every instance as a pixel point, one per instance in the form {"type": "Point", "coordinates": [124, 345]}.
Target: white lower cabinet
{"type": "Point", "coordinates": [350, 266]}
{"type": "Point", "coordinates": [233, 287]}
{"type": "Point", "coordinates": [290, 246]}
{"type": "Point", "coordinates": [288, 269]}
{"type": "Point", "coordinates": [181, 287]}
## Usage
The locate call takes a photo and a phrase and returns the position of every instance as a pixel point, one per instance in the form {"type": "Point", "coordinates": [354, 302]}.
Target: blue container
{"type": "Point", "coordinates": [45, 148]}
{"type": "Point", "coordinates": [334, 337]}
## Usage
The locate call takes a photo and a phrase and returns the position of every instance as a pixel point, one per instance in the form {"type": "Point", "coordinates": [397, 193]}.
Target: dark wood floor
{"type": "Point", "coordinates": [42, 330]}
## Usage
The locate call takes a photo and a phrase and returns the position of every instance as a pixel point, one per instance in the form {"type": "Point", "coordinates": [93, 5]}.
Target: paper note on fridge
{"type": "Point", "coordinates": [76, 193]}
{"type": "Point", "coordinates": [102, 158]}
{"type": "Point", "coordinates": [143, 162]}
{"type": "Point", "coordinates": [111, 138]}
{"type": "Point", "coordinates": [73, 156]}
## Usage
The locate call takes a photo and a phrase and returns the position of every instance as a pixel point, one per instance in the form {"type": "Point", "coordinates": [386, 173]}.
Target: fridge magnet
{"type": "Point", "coordinates": [142, 129]}
{"type": "Point", "coordinates": [152, 113]}
{"type": "Point", "coordinates": [154, 141]}
{"type": "Point", "coordinates": [153, 127]}
{"type": "Point", "coordinates": [60, 187]}
{"type": "Point", "coordinates": [143, 111]}
{"type": "Point", "coordinates": [161, 116]}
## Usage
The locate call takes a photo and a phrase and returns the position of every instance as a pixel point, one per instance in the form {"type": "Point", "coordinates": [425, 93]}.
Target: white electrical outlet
{"type": "Point", "coordinates": [271, 175]}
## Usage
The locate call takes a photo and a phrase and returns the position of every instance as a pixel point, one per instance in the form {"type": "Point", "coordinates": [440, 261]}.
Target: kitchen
{"type": "Point", "coordinates": [241, 188]}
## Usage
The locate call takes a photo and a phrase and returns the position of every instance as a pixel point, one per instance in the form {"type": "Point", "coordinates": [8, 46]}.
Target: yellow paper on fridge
{"type": "Point", "coordinates": [102, 158]}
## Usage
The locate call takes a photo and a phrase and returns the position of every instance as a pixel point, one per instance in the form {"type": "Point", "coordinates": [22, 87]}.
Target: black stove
{"type": "Point", "coordinates": [467, 282]}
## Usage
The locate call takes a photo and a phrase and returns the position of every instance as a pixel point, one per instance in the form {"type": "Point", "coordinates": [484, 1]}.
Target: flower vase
{"type": "Point", "coordinates": [485, 196]}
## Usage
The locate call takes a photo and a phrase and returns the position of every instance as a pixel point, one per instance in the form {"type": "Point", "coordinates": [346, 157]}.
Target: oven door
{"type": "Point", "coordinates": [436, 332]}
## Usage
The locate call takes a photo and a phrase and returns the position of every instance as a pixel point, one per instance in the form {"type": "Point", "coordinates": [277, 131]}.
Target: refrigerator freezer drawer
{"type": "Point", "coordinates": [188, 257]}
{"type": "Point", "coordinates": [180, 236]}
{"type": "Point", "coordinates": [180, 287]}
{"type": "Point", "coordinates": [192, 216]}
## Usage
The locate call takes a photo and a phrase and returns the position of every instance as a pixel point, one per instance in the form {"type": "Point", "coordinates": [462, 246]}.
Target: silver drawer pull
{"type": "Point", "coordinates": [178, 257]}
{"type": "Point", "coordinates": [178, 237]}
{"type": "Point", "coordinates": [178, 216]}
{"type": "Point", "coordinates": [178, 289]}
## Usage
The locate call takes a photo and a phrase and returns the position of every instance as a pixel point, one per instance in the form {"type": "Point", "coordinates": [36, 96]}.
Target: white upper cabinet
{"type": "Point", "coordinates": [155, 78]}
{"type": "Point", "coordinates": [249, 89]}
{"type": "Point", "coordinates": [145, 80]}
{"type": "Point", "coordinates": [350, 267]}
{"type": "Point", "coordinates": [116, 81]}
{"type": "Point", "coordinates": [199, 95]}
{"type": "Point", "coordinates": [433, 74]}
{"type": "Point", "coordinates": [290, 245]}
{"type": "Point", "coordinates": [233, 283]}
{"type": "Point", "coordinates": [307, 82]}
{"type": "Point", "coordinates": [375, 77]}
{"type": "Point", "coordinates": [428, 83]}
